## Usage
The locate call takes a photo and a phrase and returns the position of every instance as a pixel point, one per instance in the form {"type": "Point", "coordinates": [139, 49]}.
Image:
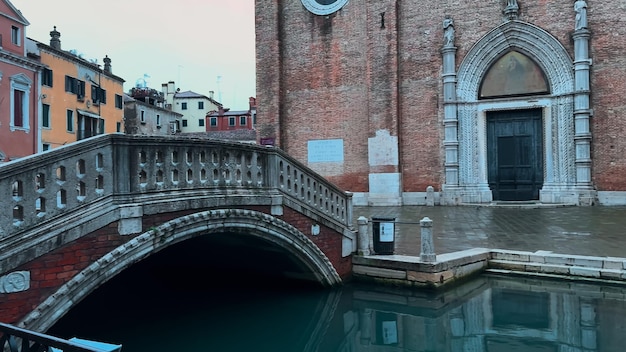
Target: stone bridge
{"type": "Point", "coordinates": [76, 216]}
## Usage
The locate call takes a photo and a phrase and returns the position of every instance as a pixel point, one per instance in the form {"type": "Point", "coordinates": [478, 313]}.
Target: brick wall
{"type": "Point", "coordinates": [343, 76]}
{"type": "Point", "coordinates": [49, 272]}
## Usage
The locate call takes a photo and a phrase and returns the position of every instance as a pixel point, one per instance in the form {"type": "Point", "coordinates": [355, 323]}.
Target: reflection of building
{"type": "Point", "coordinates": [496, 315]}
{"type": "Point", "coordinates": [499, 109]}
{"type": "Point", "coordinates": [20, 88]}
{"type": "Point", "coordinates": [79, 98]}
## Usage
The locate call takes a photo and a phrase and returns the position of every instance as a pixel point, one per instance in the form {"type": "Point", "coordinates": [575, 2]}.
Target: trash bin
{"type": "Point", "coordinates": [384, 234]}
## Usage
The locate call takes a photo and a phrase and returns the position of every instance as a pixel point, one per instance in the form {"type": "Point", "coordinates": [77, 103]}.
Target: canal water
{"type": "Point", "coordinates": [149, 308]}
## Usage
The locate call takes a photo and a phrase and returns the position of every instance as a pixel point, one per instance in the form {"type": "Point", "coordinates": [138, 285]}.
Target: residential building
{"type": "Point", "coordinates": [79, 98]}
{"type": "Point", "coordinates": [20, 88]}
{"type": "Point", "coordinates": [484, 101]}
{"type": "Point", "coordinates": [226, 120]}
{"type": "Point", "coordinates": [149, 117]}
{"type": "Point", "coordinates": [191, 105]}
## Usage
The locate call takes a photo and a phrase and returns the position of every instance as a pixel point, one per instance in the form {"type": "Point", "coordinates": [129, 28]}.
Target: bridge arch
{"type": "Point", "coordinates": [203, 223]}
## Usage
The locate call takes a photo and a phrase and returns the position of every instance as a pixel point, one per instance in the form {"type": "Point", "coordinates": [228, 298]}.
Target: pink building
{"type": "Point", "coordinates": [20, 88]}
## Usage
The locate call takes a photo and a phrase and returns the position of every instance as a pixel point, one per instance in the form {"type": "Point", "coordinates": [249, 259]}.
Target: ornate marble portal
{"type": "Point", "coordinates": [565, 110]}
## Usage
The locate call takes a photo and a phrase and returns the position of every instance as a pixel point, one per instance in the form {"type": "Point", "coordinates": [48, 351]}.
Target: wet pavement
{"type": "Point", "coordinates": [593, 231]}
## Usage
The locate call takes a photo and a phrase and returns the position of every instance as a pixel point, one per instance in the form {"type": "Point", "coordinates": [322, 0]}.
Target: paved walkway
{"type": "Point", "coordinates": [594, 231]}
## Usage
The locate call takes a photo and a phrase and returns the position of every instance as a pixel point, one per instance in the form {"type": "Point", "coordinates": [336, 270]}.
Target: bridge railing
{"type": "Point", "coordinates": [14, 339]}
{"type": "Point", "coordinates": [164, 164]}
{"type": "Point", "coordinates": [50, 184]}
{"type": "Point", "coordinates": [117, 167]}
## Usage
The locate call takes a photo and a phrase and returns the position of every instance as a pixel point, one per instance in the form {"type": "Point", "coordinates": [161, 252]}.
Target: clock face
{"type": "Point", "coordinates": [324, 7]}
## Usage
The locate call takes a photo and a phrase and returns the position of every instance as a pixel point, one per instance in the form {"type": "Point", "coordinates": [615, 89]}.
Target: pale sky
{"type": "Point", "coordinates": [191, 42]}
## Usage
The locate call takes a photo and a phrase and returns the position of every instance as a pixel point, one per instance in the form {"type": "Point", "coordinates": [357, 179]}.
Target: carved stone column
{"type": "Point", "coordinates": [582, 113]}
{"type": "Point", "coordinates": [450, 121]}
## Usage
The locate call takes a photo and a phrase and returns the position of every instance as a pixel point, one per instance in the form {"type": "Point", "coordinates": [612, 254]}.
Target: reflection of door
{"type": "Point", "coordinates": [515, 154]}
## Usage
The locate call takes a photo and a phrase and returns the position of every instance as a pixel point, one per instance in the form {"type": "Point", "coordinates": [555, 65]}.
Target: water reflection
{"type": "Point", "coordinates": [487, 314]}
{"type": "Point", "coordinates": [490, 314]}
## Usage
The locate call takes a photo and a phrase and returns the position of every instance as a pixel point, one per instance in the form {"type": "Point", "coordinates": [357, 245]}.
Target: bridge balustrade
{"type": "Point", "coordinates": [43, 186]}
{"type": "Point", "coordinates": [118, 169]}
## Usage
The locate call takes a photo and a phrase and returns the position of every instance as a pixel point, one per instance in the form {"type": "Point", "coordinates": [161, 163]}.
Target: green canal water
{"type": "Point", "coordinates": [147, 308]}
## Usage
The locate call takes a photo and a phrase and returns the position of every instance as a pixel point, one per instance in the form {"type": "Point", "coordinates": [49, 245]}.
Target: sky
{"type": "Point", "coordinates": [201, 45]}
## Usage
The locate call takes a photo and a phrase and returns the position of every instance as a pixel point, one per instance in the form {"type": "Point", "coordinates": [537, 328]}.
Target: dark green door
{"type": "Point", "coordinates": [515, 154]}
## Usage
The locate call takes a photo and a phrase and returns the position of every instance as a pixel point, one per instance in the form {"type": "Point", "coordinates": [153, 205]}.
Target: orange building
{"type": "Point", "coordinates": [79, 99]}
{"type": "Point", "coordinates": [19, 88]}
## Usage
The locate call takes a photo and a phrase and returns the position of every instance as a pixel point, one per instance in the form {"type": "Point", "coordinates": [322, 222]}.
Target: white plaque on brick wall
{"type": "Point", "coordinates": [382, 149]}
{"type": "Point", "coordinates": [325, 151]}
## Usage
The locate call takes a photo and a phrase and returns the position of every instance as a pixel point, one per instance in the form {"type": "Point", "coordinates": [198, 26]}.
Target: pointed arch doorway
{"type": "Point", "coordinates": [514, 137]}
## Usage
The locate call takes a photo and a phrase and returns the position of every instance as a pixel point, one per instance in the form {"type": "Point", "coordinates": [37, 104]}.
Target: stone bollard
{"type": "Point", "coordinates": [430, 196]}
{"type": "Point", "coordinates": [364, 240]}
{"type": "Point", "coordinates": [428, 248]}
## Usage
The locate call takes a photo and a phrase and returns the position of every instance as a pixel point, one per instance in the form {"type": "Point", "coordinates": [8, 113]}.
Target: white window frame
{"type": "Point", "coordinates": [69, 113]}
{"type": "Point", "coordinates": [22, 83]}
{"type": "Point", "coordinates": [16, 35]}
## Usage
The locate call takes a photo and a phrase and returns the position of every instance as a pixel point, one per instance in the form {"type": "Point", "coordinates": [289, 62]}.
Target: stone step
{"type": "Point", "coordinates": [558, 269]}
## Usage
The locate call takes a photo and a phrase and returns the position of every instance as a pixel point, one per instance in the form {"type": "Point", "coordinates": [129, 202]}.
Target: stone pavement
{"type": "Point", "coordinates": [591, 231]}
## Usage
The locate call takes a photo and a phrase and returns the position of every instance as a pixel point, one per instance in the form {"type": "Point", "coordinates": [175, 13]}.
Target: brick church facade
{"type": "Point", "coordinates": [498, 100]}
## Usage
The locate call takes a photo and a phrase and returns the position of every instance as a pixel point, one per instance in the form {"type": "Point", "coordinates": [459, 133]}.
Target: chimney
{"type": "Point", "coordinates": [211, 94]}
{"type": "Point", "coordinates": [55, 42]}
{"type": "Point", "coordinates": [107, 64]}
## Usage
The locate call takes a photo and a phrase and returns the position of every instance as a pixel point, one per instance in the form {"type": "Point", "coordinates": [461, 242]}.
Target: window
{"type": "Point", "coordinates": [45, 147]}
{"type": "Point", "coordinates": [142, 116]}
{"type": "Point", "coordinates": [20, 96]}
{"type": "Point", "coordinates": [183, 106]}
{"type": "Point", "coordinates": [213, 121]}
{"type": "Point", "coordinates": [200, 105]}
{"type": "Point", "coordinates": [242, 120]}
{"type": "Point", "coordinates": [118, 101]}
{"type": "Point", "coordinates": [184, 123]}
{"type": "Point", "coordinates": [98, 95]}
{"type": "Point", "coordinates": [118, 126]}
{"type": "Point", "coordinates": [18, 110]}
{"type": "Point", "coordinates": [231, 121]}
{"type": "Point", "coordinates": [45, 115]}
{"type": "Point", "coordinates": [15, 35]}
{"type": "Point", "coordinates": [158, 118]}
{"type": "Point", "coordinates": [70, 121]}
{"type": "Point", "coordinates": [201, 122]}
{"type": "Point", "coordinates": [75, 86]}
{"type": "Point", "coordinates": [46, 77]}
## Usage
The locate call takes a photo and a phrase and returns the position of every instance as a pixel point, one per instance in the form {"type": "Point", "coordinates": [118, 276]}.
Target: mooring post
{"type": "Point", "coordinates": [430, 196]}
{"type": "Point", "coordinates": [364, 240]}
{"type": "Point", "coordinates": [428, 248]}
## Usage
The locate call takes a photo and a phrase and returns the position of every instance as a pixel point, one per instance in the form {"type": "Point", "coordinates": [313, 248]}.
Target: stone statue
{"type": "Point", "coordinates": [580, 6]}
{"type": "Point", "coordinates": [448, 31]}
{"type": "Point", "coordinates": [511, 10]}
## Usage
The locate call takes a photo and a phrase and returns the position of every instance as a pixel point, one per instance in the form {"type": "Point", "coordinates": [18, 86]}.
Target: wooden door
{"type": "Point", "coordinates": [515, 154]}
